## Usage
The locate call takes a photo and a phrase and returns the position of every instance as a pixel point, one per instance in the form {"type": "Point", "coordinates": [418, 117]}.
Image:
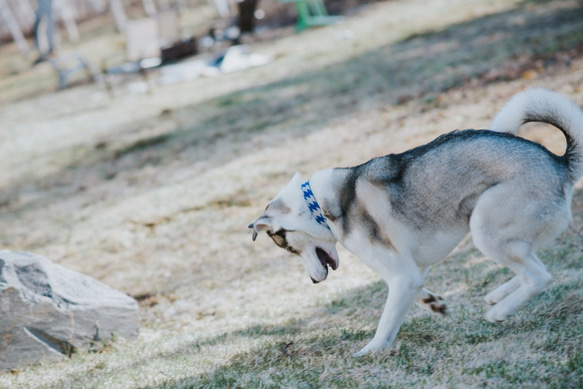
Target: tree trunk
{"type": "Point", "coordinates": [8, 17]}
{"type": "Point", "coordinates": [119, 15]}
{"type": "Point", "coordinates": [44, 27]}
{"type": "Point", "coordinates": [67, 14]}
{"type": "Point", "coordinates": [26, 12]}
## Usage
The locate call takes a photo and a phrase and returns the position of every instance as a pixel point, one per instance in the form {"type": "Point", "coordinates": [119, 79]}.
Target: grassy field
{"type": "Point", "coordinates": [152, 194]}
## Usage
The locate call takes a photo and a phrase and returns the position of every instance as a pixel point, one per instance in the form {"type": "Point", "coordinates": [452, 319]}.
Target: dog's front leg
{"type": "Point", "coordinates": [404, 289]}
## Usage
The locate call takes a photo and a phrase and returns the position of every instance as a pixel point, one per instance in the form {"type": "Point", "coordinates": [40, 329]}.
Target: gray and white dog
{"type": "Point", "coordinates": [402, 213]}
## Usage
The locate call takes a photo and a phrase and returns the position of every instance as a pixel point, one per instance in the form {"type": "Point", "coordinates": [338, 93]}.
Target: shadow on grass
{"type": "Point", "coordinates": [496, 47]}
{"type": "Point", "coordinates": [297, 355]}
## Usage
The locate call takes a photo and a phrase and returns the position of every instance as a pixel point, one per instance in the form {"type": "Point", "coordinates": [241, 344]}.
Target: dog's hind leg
{"type": "Point", "coordinates": [507, 237]}
{"type": "Point", "coordinates": [432, 302]}
{"type": "Point", "coordinates": [502, 291]}
{"type": "Point", "coordinates": [532, 279]}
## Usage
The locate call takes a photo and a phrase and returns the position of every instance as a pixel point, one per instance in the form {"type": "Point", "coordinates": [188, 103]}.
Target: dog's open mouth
{"type": "Point", "coordinates": [326, 259]}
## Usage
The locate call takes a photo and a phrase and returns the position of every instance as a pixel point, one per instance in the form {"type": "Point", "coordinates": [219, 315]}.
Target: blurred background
{"type": "Point", "coordinates": [138, 139]}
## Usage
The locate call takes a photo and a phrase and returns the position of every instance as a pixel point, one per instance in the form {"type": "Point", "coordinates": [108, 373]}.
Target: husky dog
{"type": "Point", "coordinates": [402, 213]}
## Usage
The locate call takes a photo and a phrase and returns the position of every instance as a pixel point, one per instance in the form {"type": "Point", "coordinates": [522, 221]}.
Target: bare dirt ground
{"type": "Point", "coordinates": [152, 194]}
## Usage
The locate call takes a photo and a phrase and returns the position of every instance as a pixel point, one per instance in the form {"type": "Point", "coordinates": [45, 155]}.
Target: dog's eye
{"type": "Point", "coordinates": [278, 238]}
{"type": "Point", "coordinates": [292, 250]}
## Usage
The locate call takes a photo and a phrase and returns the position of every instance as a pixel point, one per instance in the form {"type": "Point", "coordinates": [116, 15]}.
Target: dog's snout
{"type": "Point", "coordinates": [314, 281]}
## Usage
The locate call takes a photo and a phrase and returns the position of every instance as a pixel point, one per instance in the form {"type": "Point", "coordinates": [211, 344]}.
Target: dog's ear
{"type": "Point", "coordinates": [262, 224]}
{"type": "Point", "coordinates": [297, 178]}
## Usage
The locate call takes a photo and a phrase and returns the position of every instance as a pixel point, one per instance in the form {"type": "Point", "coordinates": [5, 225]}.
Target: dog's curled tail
{"type": "Point", "coordinates": [541, 105]}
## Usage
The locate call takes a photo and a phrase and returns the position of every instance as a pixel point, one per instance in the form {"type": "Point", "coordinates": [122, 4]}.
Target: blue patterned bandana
{"type": "Point", "coordinates": [313, 204]}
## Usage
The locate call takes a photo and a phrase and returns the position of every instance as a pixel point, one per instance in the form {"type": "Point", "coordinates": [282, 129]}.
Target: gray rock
{"type": "Point", "coordinates": [48, 311]}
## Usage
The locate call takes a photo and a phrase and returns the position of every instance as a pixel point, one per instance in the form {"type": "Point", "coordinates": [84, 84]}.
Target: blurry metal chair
{"type": "Point", "coordinates": [66, 66]}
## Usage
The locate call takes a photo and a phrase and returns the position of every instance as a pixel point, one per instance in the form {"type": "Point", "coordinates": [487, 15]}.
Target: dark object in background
{"type": "Point", "coordinates": [180, 49]}
{"type": "Point", "coordinates": [247, 15]}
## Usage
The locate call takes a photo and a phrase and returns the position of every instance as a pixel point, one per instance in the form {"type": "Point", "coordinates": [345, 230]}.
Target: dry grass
{"type": "Point", "coordinates": [152, 195]}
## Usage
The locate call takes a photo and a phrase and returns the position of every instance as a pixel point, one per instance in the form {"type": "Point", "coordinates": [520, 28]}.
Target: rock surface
{"type": "Point", "coordinates": [48, 311]}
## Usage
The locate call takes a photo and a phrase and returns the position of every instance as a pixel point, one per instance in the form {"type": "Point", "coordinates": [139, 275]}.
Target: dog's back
{"type": "Point", "coordinates": [437, 185]}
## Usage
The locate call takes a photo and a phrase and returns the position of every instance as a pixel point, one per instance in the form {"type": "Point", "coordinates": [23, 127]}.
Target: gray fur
{"type": "Point", "coordinates": [424, 189]}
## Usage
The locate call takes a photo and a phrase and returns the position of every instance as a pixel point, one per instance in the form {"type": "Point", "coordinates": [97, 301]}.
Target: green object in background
{"type": "Point", "coordinates": [312, 13]}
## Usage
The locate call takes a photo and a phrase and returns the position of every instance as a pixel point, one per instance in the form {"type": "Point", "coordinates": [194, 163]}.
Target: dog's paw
{"type": "Point", "coordinates": [363, 352]}
{"type": "Point", "coordinates": [433, 303]}
{"type": "Point", "coordinates": [369, 349]}
{"type": "Point", "coordinates": [372, 347]}
{"type": "Point", "coordinates": [494, 315]}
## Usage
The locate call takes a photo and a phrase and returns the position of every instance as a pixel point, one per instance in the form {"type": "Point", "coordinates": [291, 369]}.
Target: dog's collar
{"type": "Point", "coordinates": [313, 205]}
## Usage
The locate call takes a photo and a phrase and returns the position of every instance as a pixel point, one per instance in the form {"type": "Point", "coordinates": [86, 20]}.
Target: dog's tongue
{"type": "Point", "coordinates": [326, 259]}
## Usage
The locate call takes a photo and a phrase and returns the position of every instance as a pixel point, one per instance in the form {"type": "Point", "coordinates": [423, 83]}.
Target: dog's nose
{"type": "Point", "coordinates": [314, 281]}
